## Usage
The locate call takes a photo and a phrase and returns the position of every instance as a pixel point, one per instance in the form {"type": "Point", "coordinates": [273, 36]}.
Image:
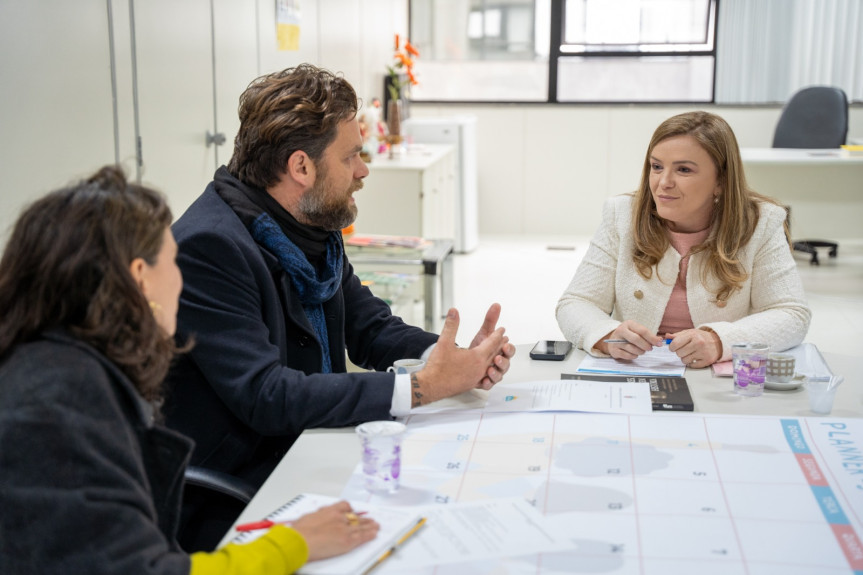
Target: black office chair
{"type": "Point", "coordinates": [814, 117]}
{"type": "Point", "coordinates": [212, 501]}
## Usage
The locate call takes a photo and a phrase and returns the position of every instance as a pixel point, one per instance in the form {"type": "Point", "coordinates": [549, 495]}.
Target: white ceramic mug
{"type": "Point", "coordinates": [406, 366]}
{"type": "Point", "coordinates": [780, 367]}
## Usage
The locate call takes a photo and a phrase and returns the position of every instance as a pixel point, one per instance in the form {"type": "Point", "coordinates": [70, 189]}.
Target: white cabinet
{"type": "Point", "coordinates": [413, 195]}
{"type": "Point", "coordinates": [142, 82]}
{"type": "Point", "coordinates": [57, 114]}
{"type": "Point", "coordinates": [460, 132]}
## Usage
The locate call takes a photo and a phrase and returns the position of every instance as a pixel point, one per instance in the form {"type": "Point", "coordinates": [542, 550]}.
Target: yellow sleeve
{"type": "Point", "coordinates": [281, 550]}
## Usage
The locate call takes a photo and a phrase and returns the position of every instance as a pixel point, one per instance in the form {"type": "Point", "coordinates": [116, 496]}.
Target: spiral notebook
{"type": "Point", "coordinates": [395, 523]}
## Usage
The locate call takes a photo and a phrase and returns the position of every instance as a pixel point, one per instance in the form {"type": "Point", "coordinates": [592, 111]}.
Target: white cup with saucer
{"type": "Point", "coordinates": [780, 373]}
{"type": "Point", "coordinates": [406, 366]}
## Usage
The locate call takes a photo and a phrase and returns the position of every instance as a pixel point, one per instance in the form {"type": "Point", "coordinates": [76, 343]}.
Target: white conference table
{"type": "Point", "coordinates": [322, 460]}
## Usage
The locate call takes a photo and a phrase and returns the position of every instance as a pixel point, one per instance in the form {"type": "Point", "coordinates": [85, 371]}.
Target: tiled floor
{"type": "Point", "coordinates": [526, 277]}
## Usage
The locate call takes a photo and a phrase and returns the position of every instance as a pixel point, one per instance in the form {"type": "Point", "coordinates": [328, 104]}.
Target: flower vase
{"type": "Point", "coordinates": [394, 127]}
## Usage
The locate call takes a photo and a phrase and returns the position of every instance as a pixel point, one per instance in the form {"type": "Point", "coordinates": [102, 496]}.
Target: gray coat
{"type": "Point", "coordinates": [88, 483]}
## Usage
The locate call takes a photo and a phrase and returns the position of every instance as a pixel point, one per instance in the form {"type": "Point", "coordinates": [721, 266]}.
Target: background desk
{"type": "Point", "coordinates": [322, 460]}
{"type": "Point", "coordinates": [823, 188]}
{"type": "Point", "coordinates": [412, 195]}
{"type": "Point", "coordinates": [432, 263]}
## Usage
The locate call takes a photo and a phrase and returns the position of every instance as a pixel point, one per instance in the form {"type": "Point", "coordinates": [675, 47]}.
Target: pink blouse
{"type": "Point", "coordinates": [677, 317]}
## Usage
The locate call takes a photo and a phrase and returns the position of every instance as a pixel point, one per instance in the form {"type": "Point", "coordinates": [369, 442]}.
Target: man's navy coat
{"type": "Point", "coordinates": [252, 382]}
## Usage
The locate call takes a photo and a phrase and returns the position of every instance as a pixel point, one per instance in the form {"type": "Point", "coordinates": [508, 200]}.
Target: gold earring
{"type": "Point", "coordinates": [155, 306]}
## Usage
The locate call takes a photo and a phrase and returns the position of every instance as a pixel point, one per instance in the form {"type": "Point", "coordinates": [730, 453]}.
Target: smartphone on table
{"type": "Point", "coordinates": [550, 350]}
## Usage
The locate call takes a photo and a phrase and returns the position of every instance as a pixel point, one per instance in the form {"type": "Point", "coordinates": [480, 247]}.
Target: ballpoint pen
{"type": "Point", "coordinates": [263, 524]}
{"type": "Point", "coordinates": [666, 341]}
{"type": "Point", "coordinates": [388, 553]}
{"type": "Point", "coordinates": [267, 523]}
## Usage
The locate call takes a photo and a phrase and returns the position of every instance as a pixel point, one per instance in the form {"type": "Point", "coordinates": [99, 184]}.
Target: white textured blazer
{"type": "Point", "coordinates": [770, 307]}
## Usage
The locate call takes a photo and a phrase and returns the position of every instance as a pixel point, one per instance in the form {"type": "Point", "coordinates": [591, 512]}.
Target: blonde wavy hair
{"type": "Point", "coordinates": [734, 217]}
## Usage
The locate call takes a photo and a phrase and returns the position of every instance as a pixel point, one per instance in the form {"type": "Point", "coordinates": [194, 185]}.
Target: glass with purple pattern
{"type": "Point", "coordinates": [382, 450]}
{"type": "Point", "coordinates": [750, 368]}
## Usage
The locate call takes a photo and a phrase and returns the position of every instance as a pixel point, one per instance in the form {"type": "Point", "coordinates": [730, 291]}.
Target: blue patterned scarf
{"type": "Point", "coordinates": [312, 290]}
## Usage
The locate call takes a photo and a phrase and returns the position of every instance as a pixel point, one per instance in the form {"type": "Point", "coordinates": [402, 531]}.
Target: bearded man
{"type": "Point", "coordinates": [273, 304]}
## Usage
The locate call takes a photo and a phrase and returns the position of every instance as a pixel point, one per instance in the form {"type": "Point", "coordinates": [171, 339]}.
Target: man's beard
{"type": "Point", "coordinates": [324, 207]}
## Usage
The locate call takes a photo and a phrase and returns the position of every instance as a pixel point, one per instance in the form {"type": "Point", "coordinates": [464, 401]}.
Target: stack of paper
{"type": "Point", "coordinates": [382, 241]}
{"type": "Point", "coordinates": [659, 361]}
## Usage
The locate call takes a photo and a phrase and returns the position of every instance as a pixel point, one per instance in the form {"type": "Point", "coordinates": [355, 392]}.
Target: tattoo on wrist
{"type": "Point", "coordinates": [417, 395]}
{"type": "Point", "coordinates": [417, 399]}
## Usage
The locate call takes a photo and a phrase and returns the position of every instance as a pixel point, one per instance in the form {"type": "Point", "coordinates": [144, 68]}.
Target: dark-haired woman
{"type": "Point", "coordinates": [90, 482]}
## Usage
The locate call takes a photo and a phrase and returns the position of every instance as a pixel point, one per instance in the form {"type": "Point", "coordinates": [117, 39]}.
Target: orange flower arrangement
{"type": "Point", "coordinates": [403, 63]}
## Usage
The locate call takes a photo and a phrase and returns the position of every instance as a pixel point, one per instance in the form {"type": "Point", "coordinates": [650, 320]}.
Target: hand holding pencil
{"type": "Point", "coordinates": [334, 529]}
{"type": "Point", "coordinates": [695, 347]}
{"type": "Point", "coordinates": [628, 340]}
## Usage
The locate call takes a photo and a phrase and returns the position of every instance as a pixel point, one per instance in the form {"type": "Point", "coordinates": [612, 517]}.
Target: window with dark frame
{"type": "Point", "coordinates": [591, 51]}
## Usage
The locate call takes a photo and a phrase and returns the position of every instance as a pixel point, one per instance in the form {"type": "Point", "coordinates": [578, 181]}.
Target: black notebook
{"type": "Point", "coordinates": [666, 393]}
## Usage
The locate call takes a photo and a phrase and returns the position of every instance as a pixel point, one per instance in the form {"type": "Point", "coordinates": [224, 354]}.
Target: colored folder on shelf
{"type": "Point", "coordinates": [852, 150]}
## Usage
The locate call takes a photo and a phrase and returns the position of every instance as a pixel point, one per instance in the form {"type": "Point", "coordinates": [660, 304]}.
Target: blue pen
{"type": "Point", "coordinates": [666, 342]}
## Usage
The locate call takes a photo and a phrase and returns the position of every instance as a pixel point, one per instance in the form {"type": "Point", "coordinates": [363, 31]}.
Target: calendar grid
{"type": "Point", "coordinates": [658, 494]}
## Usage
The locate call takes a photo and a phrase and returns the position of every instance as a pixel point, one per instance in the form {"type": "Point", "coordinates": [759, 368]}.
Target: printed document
{"type": "Point", "coordinates": [571, 395]}
{"type": "Point", "coordinates": [658, 361]}
{"type": "Point", "coordinates": [477, 530]}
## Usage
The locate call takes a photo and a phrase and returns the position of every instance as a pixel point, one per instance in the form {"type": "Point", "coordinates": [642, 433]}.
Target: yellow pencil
{"type": "Point", "coordinates": [396, 545]}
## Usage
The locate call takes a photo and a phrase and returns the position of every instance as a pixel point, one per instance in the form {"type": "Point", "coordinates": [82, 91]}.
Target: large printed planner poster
{"type": "Point", "coordinates": [644, 494]}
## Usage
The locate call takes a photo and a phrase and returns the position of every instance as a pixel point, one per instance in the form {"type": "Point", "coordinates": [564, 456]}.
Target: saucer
{"type": "Point", "coordinates": [795, 382]}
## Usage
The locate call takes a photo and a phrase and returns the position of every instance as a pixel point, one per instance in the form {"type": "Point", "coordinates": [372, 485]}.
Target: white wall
{"type": "Point", "coordinates": [56, 117]}
{"type": "Point", "coordinates": [546, 169]}
{"type": "Point", "coordinates": [56, 112]}
{"type": "Point", "coordinates": [542, 169]}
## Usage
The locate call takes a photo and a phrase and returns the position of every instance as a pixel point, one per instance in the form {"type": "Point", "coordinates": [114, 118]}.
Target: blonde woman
{"type": "Point", "coordinates": [693, 255]}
